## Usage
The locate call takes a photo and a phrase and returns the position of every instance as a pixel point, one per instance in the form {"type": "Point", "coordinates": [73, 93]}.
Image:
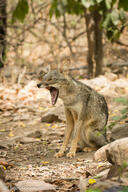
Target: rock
{"type": "Point", "coordinates": [117, 152]}
{"type": "Point", "coordinates": [26, 140]}
{"type": "Point", "coordinates": [100, 154]}
{"type": "Point", "coordinates": [103, 174]}
{"type": "Point", "coordinates": [35, 134]}
{"type": "Point", "coordinates": [3, 145]}
{"type": "Point", "coordinates": [82, 184]}
{"type": "Point", "coordinates": [111, 76]}
{"type": "Point", "coordinates": [54, 115]}
{"type": "Point", "coordinates": [119, 131]}
{"type": "Point", "coordinates": [35, 186]}
{"type": "Point", "coordinates": [9, 142]}
{"type": "Point", "coordinates": [23, 117]}
{"type": "Point", "coordinates": [50, 118]}
{"type": "Point", "coordinates": [3, 187]}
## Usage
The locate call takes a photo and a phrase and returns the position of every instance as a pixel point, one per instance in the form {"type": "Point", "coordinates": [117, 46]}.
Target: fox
{"type": "Point", "coordinates": [86, 112]}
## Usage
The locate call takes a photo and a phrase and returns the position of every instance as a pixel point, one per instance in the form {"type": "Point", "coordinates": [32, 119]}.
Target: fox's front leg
{"type": "Point", "coordinates": [68, 131]}
{"type": "Point", "coordinates": [76, 137]}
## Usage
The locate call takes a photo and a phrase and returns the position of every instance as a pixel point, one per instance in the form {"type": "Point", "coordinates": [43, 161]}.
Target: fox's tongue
{"type": "Point", "coordinates": [54, 95]}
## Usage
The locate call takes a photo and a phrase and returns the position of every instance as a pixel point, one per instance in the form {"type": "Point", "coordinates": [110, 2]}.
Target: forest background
{"type": "Point", "coordinates": [89, 40]}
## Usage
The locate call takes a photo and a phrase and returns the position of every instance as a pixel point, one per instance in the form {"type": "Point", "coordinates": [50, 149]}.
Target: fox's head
{"type": "Point", "coordinates": [53, 81]}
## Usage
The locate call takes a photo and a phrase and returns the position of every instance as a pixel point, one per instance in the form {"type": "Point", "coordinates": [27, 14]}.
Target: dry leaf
{"type": "Point", "coordinates": [11, 134]}
{"type": "Point", "coordinates": [91, 181]}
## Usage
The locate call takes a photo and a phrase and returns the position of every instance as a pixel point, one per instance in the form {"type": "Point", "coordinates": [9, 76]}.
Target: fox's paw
{"type": "Point", "coordinates": [71, 154]}
{"type": "Point", "coordinates": [59, 154]}
{"type": "Point", "coordinates": [89, 149]}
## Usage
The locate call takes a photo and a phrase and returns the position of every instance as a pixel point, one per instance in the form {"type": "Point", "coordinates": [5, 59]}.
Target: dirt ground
{"type": "Point", "coordinates": [27, 146]}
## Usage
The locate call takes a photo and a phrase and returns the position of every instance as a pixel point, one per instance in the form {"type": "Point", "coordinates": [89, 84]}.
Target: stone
{"type": "Point", "coordinates": [34, 186]}
{"type": "Point", "coordinates": [117, 152]}
{"type": "Point", "coordinates": [50, 118]}
{"type": "Point", "coordinates": [3, 187]}
{"type": "Point", "coordinates": [35, 134]}
{"type": "Point", "coordinates": [25, 140]}
{"type": "Point", "coordinates": [100, 154]}
{"type": "Point", "coordinates": [55, 114]}
{"type": "Point", "coordinates": [103, 174]}
{"type": "Point", "coordinates": [119, 131]}
{"type": "Point", "coordinates": [9, 142]}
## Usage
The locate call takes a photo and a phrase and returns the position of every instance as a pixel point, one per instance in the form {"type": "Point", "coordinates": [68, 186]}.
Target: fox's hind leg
{"type": "Point", "coordinates": [94, 135]}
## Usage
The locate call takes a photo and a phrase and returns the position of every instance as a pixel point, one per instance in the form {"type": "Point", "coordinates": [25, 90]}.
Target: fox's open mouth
{"type": "Point", "coordinates": [54, 94]}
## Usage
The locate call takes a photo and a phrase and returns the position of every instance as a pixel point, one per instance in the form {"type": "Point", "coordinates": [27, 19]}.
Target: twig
{"type": "Point", "coordinates": [65, 35]}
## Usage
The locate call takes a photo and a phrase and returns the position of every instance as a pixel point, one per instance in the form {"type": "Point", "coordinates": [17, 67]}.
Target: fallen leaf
{"type": "Point", "coordinates": [112, 115]}
{"type": "Point", "coordinates": [2, 130]}
{"type": "Point", "coordinates": [54, 126]}
{"type": "Point", "coordinates": [22, 124]}
{"type": "Point", "coordinates": [44, 162]}
{"type": "Point", "coordinates": [91, 181]}
{"type": "Point", "coordinates": [38, 139]}
{"type": "Point", "coordinates": [41, 108]}
{"type": "Point", "coordinates": [6, 164]}
{"type": "Point", "coordinates": [121, 122]}
{"type": "Point", "coordinates": [48, 125]}
{"type": "Point", "coordinates": [11, 134]}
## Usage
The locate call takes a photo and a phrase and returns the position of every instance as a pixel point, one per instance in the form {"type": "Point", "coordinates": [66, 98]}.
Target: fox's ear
{"type": "Point", "coordinates": [67, 76]}
{"type": "Point", "coordinates": [64, 66]}
{"type": "Point", "coordinates": [65, 72]}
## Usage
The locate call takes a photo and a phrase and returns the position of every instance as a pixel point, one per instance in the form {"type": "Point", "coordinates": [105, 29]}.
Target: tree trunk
{"type": "Point", "coordinates": [3, 27]}
{"type": "Point", "coordinates": [98, 49]}
{"type": "Point", "coordinates": [90, 38]}
{"type": "Point", "coordinates": [95, 44]}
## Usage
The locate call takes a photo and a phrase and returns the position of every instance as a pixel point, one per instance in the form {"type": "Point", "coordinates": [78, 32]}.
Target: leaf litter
{"type": "Point", "coordinates": [20, 115]}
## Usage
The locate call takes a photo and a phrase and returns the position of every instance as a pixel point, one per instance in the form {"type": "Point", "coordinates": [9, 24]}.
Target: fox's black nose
{"type": "Point", "coordinates": [39, 85]}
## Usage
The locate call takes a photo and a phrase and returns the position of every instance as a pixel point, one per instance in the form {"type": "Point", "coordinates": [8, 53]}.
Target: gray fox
{"type": "Point", "coordinates": [86, 112]}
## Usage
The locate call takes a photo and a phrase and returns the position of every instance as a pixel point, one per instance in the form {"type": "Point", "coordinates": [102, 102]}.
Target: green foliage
{"type": "Point", "coordinates": [113, 19]}
{"type": "Point", "coordinates": [124, 111]}
{"type": "Point", "coordinates": [77, 7]}
{"type": "Point", "coordinates": [92, 190]}
{"type": "Point", "coordinates": [125, 189]}
{"type": "Point", "coordinates": [98, 133]}
{"type": "Point", "coordinates": [116, 118]}
{"type": "Point", "coordinates": [20, 11]}
{"type": "Point", "coordinates": [58, 7]}
{"type": "Point", "coordinates": [122, 100]}
{"type": "Point", "coordinates": [123, 4]}
{"type": "Point", "coordinates": [88, 3]}
{"type": "Point", "coordinates": [122, 168]}
{"type": "Point", "coordinates": [109, 3]}
{"type": "Point", "coordinates": [113, 23]}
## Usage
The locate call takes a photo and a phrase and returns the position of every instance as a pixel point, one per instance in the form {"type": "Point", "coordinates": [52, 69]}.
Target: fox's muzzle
{"type": "Point", "coordinates": [40, 85]}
